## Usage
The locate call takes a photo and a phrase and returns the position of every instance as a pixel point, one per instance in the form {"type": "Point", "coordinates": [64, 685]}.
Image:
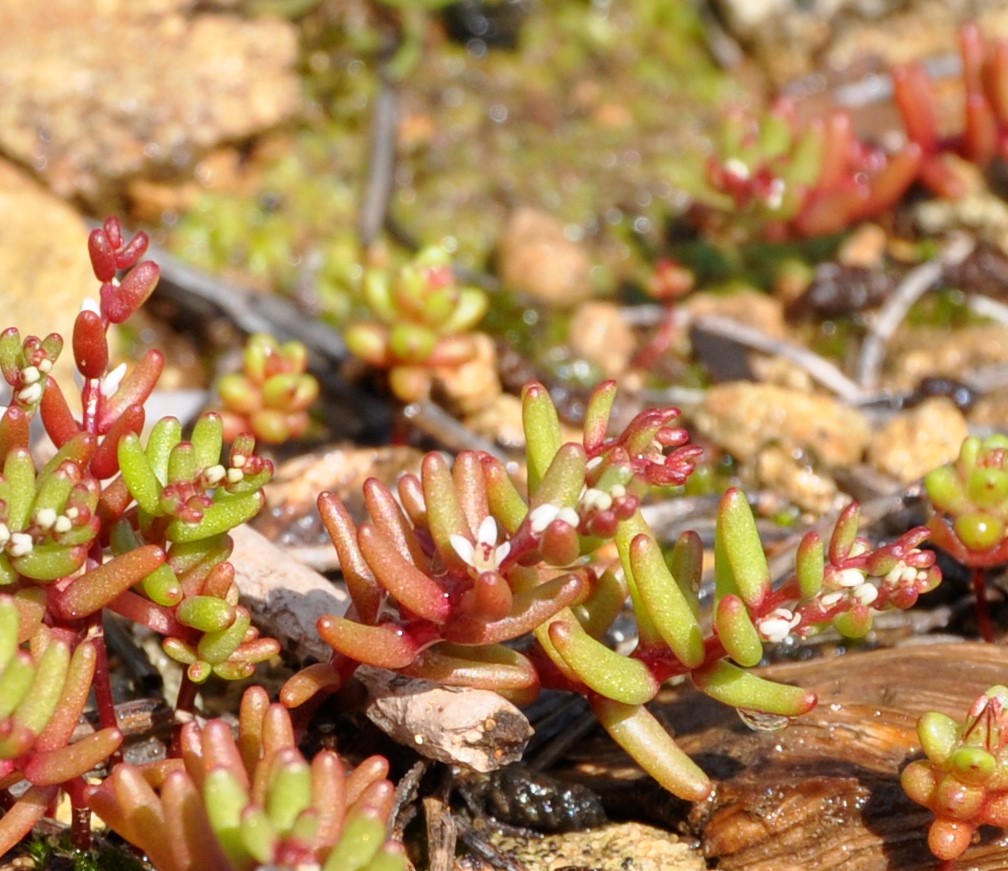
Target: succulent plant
{"type": "Point", "coordinates": [272, 394]}
{"type": "Point", "coordinates": [969, 511]}
{"type": "Point", "coordinates": [421, 318]}
{"type": "Point", "coordinates": [107, 523]}
{"type": "Point", "coordinates": [964, 778]}
{"type": "Point", "coordinates": [463, 563]}
{"type": "Point", "coordinates": [45, 679]}
{"type": "Point", "coordinates": [239, 804]}
{"type": "Point", "coordinates": [775, 177]}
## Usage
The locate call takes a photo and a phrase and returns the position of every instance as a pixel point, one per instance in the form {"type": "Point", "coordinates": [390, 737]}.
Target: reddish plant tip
{"type": "Point", "coordinates": [90, 345]}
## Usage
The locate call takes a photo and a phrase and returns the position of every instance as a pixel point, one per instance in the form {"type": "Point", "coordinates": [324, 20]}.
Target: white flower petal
{"type": "Point", "coordinates": [487, 532]}
{"type": "Point", "coordinates": [541, 517]}
{"type": "Point", "coordinates": [464, 548]}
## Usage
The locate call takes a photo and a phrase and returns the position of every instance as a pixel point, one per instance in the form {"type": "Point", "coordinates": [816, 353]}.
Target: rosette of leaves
{"type": "Point", "coordinates": [969, 511]}
{"type": "Point", "coordinates": [419, 320]}
{"type": "Point", "coordinates": [964, 778]}
{"type": "Point", "coordinates": [465, 562]}
{"type": "Point", "coordinates": [272, 394]}
{"type": "Point", "coordinates": [239, 804]}
{"type": "Point", "coordinates": [777, 178]}
{"type": "Point", "coordinates": [45, 679]}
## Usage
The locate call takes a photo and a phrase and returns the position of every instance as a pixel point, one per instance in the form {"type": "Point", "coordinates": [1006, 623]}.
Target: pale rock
{"type": "Point", "coordinates": [536, 257]}
{"type": "Point", "coordinates": [93, 93]}
{"type": "Point", "coordinates": [600, 334]}
{"type": "Point", "coordinates": [45, 272]}
{"type": "Point", "coordinates": [744, 418]}
{"type": "Point", "coordinates": [919, 440]}
{"type": "Point", "coordinates": [917, 352]}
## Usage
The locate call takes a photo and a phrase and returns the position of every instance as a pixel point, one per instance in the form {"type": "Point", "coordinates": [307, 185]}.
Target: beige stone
{"type": "Point", "coordinates": [600, 334]}
{"type": "Point", "coordinates": [743, 417]}
{"type": "Point", "coordinates": [91, 94]}
{"type": "Point", "coordinates": [921, 351]}
{"type": "Point", "coordinates": [919, 440]}
{"type": "Point", "coordinates": [45, 272]}
{"type": "Point", "coordinates": [536, 257]}
{"type": "Point", "coordinates": [751, 307]}
{"type": "Point", "coordinates": [794, 478]}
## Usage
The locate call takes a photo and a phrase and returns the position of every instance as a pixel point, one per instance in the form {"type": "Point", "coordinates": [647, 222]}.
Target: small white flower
{"type": "Point", "coordinates": [775, 195]}
{"type": "Point", "coordinates": [90, 304]}
{"type": "Point", "coordinates": [544, 515]}
{"type": "Point", "coordinates": [849, 578]}
{"type": "Point", "coordinates": [214, 475]}
{"type": "Point", "coordinates": [865, 594]}
{"type": "Point", "coordinates": [234, 475]}
{"type": "Point", "coordinates": [20, 544]}
{"type": "Point", "coordinates": [734, 166]}
{"type": "Point", "coordinates": [776, 625]}
{"type": "Point", "coordinates": [596, 500]}
{"type": "Point", "coordinates": [46, 517]}
{"type": "Point", "coordinates": [110, 383]}
{"type": "Point", "coordinates": [30, 394]}
{"type": "Point", "coordinates": [485, 555]}
{"type": "Point", "coordinates": [63, 524]}
{"type": "Point", "coordinates": [30, 374]}
{"type": "Point", "coordinates": [45, 366]}
{"type": "Point", "coordinates": [902, 575]}
{"type": "Point", "coordinates": [831, 599]}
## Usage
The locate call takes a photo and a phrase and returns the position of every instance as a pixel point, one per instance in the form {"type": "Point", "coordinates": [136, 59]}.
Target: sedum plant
{"type": "Point", "coordinates": [113, 521]}
{"type": "Point", "coordinates": [968, 501]}
{"type": "Point", "coordinates": [236, 804]}
{"type": "Point", "coordinates": [420, 318]}
{"type": "Point", "coordinates": [273, 393]}
{"type": "Point", "coordinates": [448, 579]}
{"type": "Point", "coordinates": [777, 178]}
{"type": "Point", "coordinates": [964, 778]}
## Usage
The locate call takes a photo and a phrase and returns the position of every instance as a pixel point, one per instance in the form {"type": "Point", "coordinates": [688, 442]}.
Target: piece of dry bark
{"type": "Point", "coordinates": [286, 598]}
{"type": "Point", "coordinates": [457, 725]}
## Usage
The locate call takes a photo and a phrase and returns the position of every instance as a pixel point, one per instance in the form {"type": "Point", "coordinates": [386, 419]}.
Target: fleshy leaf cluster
{"type": "Point", "coordinates": [109, 522]}
{"type": "Point", "coordinates": [969, 501]}
{"type": "Point", "coordinates": [272, 394]}
{"type": "Point", "coordinates": [964, 778]}
{"type": "Point", "coordinates": [45, 679]}
{"type": "Point", "coordinates": [236, 804]}
{"type": "Point", "coordinates": [776, 177]}
{"type": "Point", "coordinates": [419, 320]}
{"type": "Point", "coordinates": [465, 562]}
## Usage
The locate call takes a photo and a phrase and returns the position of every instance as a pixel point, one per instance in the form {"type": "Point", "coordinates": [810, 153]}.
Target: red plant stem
{"type": "Point", "coordinates": [979, 578]}
{"type": "Point", "coordinates": [80, 815]}
{"type": "Point", "coordinates": [660, 342]}
{"type": "Point", "coordinates": [186, 695]}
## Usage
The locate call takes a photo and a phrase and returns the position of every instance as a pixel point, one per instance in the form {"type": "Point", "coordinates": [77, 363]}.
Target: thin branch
{"type": "Point", "coordinates": [819, 368]}
{"type": "Point", "coordinates": [916, 283]}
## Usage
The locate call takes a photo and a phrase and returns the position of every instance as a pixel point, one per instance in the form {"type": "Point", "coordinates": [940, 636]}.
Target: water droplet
{"type": "Point", "coordinates": [759, 721]}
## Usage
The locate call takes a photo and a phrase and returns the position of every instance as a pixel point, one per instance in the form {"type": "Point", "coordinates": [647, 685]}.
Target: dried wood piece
{"type": "Point", "coordinates": [457, 725]}
{"type": "Point", "coordinates": [285, 597]}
